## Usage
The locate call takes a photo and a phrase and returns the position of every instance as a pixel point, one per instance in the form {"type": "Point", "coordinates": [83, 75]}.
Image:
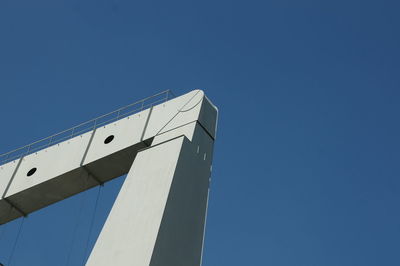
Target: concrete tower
{"type": "Point", "coordinates": [166, 149]}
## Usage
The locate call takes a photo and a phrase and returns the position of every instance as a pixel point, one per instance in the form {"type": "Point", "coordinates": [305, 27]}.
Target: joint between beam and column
{"type": "Point", "coordinates": [195, 121]}
{"type": "Point", "coordinates": [149, 147]}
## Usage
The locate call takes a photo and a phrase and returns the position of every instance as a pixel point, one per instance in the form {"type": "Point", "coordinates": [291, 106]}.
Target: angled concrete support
{"type": "Point", "coordinates": [158, 218]}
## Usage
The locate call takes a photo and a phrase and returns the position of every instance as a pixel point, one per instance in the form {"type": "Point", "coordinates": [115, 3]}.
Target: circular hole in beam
{"type": "Point", "coordinates": [109, 139]}
{"type": "Point", "coordinates": [31, 172]}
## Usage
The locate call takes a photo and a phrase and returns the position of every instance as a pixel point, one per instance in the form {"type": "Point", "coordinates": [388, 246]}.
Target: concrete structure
{"type": "Point", "coordinates": [159, 215]}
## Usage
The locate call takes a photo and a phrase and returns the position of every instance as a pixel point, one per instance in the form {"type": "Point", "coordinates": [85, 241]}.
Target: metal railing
{"type": "Point", "coordinates": [87, 126]}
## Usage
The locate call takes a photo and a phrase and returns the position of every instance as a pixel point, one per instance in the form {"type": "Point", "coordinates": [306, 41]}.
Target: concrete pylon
{"type": "Point", "coordinates": [158, 218]}
{"type": "Point", "coordinates": [159, 215]}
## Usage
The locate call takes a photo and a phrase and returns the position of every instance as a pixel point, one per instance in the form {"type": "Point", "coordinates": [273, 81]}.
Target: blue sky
{"type": "Point", "coordinates": [306, 168]}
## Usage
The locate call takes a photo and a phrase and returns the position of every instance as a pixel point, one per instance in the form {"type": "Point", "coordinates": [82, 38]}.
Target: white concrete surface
{"type": "Point", "coordinates": [159, 215]}
{"type": "Point", "coordinates": [50, 163]}
{"type": "Point", "coordinates": [6, 172]}
{"type": "Point", "coordinates": [127, 132]}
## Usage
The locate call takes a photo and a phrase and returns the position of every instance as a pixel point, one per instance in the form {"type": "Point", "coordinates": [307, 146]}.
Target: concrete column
{"type": "Point", "coordinates": [158, 218]}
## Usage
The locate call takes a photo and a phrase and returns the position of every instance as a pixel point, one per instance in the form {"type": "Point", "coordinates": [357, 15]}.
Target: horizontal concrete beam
{"type": "Point", "coordinates": [70, 167]}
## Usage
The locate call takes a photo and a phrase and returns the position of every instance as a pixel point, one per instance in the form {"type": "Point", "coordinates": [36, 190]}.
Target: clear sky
{"type": "Point", "coordinates": [306, 168]}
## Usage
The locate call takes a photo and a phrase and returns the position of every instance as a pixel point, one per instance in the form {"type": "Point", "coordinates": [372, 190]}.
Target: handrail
{"type": "Point", "coordinates": [87, 126]}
